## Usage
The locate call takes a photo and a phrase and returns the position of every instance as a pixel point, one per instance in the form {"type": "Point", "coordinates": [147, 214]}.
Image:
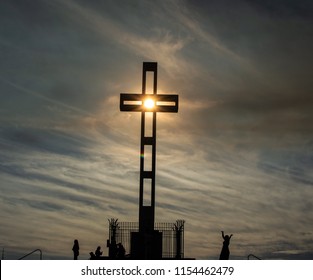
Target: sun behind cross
{"type": "Point", "coordinates": [149, 103]}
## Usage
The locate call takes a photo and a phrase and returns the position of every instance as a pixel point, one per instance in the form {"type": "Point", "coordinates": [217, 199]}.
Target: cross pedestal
{"type": "Point", "coordinates": [147, 240]}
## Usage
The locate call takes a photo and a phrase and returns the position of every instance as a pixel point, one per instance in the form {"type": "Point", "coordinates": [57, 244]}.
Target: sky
{"type": "Point", "coordinates": [237, 157]}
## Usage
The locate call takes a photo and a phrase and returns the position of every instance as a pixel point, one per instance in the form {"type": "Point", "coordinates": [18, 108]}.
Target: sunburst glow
{"type": "Point", "coordinates": [149, 103]}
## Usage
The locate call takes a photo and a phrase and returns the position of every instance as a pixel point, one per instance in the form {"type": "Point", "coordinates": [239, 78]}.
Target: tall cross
{"type": "Point", "coordinates": [148, 103]}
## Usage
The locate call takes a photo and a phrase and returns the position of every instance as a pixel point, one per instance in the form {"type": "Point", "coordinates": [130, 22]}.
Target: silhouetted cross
{"type": "Point", "coordinates": [148, 103]}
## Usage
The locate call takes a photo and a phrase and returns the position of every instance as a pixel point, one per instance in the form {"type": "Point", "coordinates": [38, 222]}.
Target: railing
{"type": "Point", "coordinates": [40, 252]}
{"type": "Point", "coordinates": [254, 256]}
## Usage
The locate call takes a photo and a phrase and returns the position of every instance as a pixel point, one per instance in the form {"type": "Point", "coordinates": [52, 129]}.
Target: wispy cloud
{"type": "Point", "coordinates": [237, 156]}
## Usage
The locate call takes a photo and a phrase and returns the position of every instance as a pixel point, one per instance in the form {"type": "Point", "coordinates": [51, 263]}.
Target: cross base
{"type": "Point", "coordinates": [146, 245]}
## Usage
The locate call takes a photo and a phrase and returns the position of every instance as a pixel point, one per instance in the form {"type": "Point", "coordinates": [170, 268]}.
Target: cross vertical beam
{"type": "Point", "coordinates": [147, 177]}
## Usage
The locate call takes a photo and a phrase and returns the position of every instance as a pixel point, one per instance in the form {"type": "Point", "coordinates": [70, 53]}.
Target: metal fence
{"type": "Point", "coordinates": [172, 236]}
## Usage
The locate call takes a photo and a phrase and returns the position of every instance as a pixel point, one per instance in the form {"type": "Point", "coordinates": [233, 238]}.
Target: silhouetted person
{"type": "Point", "coordinates": [225, 250]}
{"type": "Point", "coordinates": [113, 249]}
{"type": "Point", "coordinates": [92, 255]}
{"type": "Point", "coordinates": [120, 251]}
{"type": "Point", "coordinates": [75, 249]}
{"type": "Point", "coordinates": [98, 252]}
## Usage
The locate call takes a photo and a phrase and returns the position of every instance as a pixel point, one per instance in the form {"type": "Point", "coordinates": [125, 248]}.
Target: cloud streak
{"type": "Point", "coordinates": [237, 157]}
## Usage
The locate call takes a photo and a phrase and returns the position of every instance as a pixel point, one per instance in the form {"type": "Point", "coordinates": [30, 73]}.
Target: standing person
{"type": "Point", "coordinates": [120, 251]}
{"type": "Point", "coordinates": [75, 249]}
{"type": "Point", "coordinates": [225, 250]}
{"type": "Point", "coordinates": [98, 252]}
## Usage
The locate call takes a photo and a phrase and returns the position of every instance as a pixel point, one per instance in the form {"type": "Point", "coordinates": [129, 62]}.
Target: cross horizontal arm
{"type": "Point", "coordinates": [133, 102]}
